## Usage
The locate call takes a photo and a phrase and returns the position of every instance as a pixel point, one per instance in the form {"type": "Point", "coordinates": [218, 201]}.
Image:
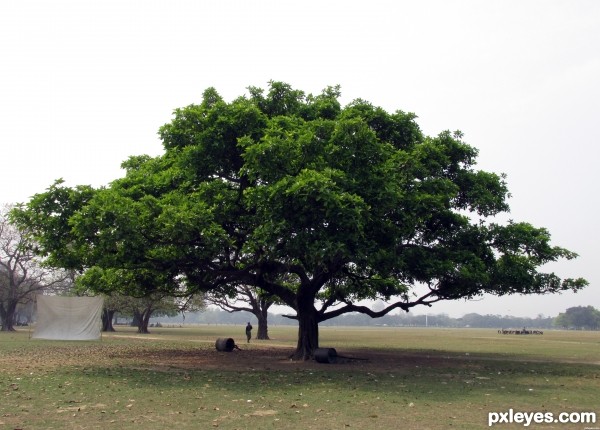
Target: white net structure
{"type": "Point", "coordinates": [68, 318]}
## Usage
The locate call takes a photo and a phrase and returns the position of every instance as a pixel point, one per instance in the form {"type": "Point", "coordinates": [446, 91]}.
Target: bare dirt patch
{"type": "Point", "coordinates": [265, 358]}
{"type": "Point", "coordinates": [160, 357]}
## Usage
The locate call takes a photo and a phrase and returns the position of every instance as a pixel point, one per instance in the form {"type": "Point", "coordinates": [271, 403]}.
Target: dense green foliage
{"type": "Point", "coordinates": [309, 201]}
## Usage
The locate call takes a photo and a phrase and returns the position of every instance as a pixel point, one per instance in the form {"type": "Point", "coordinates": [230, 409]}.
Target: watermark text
{"type": "Point", "coordinates": [528, 418]}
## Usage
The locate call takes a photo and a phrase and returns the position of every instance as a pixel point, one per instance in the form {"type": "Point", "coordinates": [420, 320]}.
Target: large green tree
{"type": "Point", "coordinates": [320, 205]}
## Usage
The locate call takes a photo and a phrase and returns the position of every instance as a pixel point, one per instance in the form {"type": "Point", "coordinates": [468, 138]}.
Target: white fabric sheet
{"type": "Point", "coordinates": [68, 318]}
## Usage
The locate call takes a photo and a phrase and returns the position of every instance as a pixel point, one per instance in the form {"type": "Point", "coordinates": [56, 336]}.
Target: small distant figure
{"type": "Point", "coordinates": [248, 331]}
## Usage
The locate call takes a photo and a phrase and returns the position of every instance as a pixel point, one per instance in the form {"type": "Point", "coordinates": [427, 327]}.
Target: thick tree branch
{"type": "Point", "coordinates": [426, 300]}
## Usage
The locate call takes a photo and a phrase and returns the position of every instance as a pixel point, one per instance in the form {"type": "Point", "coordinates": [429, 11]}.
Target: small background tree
{"type": "Point", "coordinates": [247, 299]}
{"type": "Point", "coordinates": [22, 274]}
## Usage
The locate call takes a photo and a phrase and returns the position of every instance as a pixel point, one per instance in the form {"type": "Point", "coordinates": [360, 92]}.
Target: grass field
{"type": "Point", "coordinates": [399, 378]}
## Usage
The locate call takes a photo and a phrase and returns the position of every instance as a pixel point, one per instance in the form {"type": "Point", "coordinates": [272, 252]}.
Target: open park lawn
{"type": "Point", "coordinates": [387, 378]}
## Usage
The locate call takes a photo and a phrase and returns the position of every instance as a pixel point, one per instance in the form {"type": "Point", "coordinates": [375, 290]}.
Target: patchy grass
{"type": "Point", "coordinates": [405, 378]}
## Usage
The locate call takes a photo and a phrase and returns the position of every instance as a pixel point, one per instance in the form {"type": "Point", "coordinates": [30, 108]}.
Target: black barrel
{"type": "Point", "coordinates": [325, 355]}
{"type": "Point", "coordinates": [225, 344]}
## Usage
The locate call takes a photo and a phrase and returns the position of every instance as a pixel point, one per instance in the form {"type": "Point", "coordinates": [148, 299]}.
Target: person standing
{"type": "Point", "coordinates": [248, 331]}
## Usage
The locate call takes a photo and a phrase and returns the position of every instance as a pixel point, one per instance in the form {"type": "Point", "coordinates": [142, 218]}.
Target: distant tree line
{"type": "Point", "coordinates": [579, 318]}
{"type": "Point", "coordinates": [574, 318]}
{"type": "Point", "coordinates": [217, 316]}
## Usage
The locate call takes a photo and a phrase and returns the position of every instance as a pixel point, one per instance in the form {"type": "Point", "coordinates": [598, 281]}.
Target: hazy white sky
{"type": "Point", "coordinates": [84, 85]}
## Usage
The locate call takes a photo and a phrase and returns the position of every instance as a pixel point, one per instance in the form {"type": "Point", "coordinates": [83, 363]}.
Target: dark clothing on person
{"type": "Point", "coordinates": [248, 331]}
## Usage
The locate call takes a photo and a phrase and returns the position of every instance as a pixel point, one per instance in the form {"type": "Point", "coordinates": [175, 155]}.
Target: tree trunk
{"type": "Point", "coordinates": [138, 320]}
{"type": "Point", "coordinates": [107, 320]}
{"type": "Point", "coordinates": [263, 329]}
{"type": "Point", "coordinates": [308, 333]}
{"type": "Point", "coordinates": [7, 315]}
{"type": "Point", "coordinates": [143, 327]}
{"type": "Point", "coordinates": [144, 320]}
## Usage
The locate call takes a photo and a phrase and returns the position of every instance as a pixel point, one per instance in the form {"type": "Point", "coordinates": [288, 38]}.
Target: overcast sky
{"type": "Point", "coordinates": [84, 85]}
